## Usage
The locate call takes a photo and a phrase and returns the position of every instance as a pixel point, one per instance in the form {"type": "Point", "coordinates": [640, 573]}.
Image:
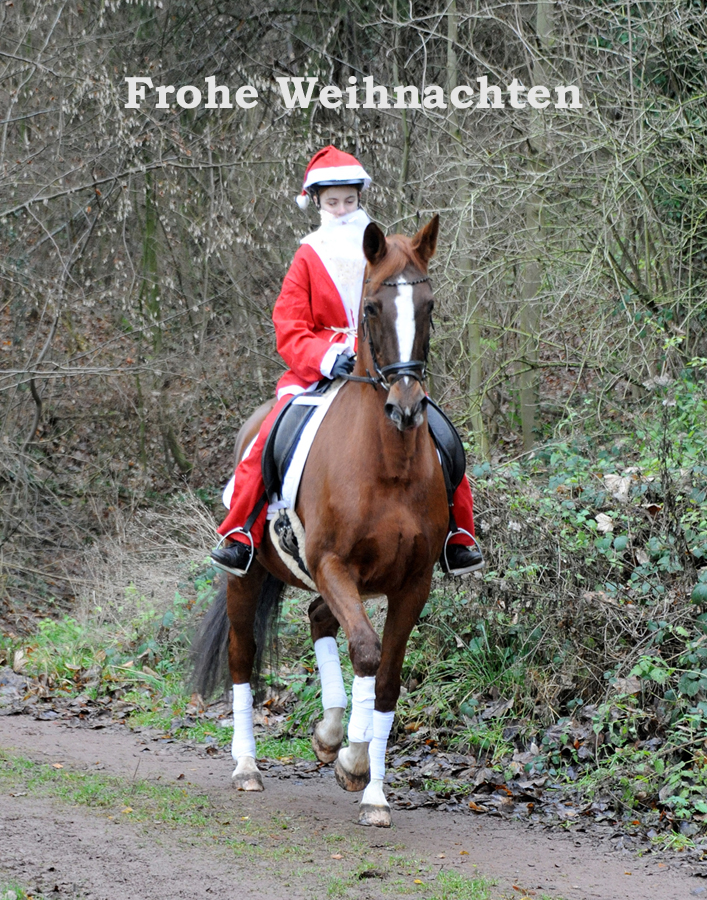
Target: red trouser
{"type": "Point", "coordinates": [249, 488]}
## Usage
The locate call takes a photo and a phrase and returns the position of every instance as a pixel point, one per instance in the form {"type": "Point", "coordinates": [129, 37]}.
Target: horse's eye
{"type": "Point", "coordinates": [370, 309]}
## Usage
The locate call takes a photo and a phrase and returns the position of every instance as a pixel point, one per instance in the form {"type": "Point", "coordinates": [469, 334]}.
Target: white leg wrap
{"type": "Point", "coordinates": [382, 723]}
{"type": "Point", "coordinates": [363, 698]}
{"type": "Point", "coordinates": [243, 740]}
{"type": "Point", "coordinates": [329, 664]}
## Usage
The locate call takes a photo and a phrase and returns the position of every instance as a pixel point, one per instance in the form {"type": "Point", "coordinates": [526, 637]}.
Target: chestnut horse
{"type": "Point", "coordinates": [374, 505]}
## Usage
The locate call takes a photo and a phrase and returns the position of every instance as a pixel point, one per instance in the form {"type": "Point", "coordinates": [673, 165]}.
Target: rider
{"type": "Point", "coordinates": [316, 318]}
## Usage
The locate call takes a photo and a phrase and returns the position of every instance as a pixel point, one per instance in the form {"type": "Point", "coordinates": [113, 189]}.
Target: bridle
{"type": "Point", "coordinates": [386, 376]}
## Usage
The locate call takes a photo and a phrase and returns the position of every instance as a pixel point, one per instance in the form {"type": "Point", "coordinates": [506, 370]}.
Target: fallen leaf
{"type": "Point", "coordinates": [619, 486]}
{"type": "Point", "coordinates": [336, 856]}
{"type": "Point", "coordinates": [417, 881]}
{"type": "Point", "coordinates": [604, 523]}
{"type": "Point", "coordinates": [630, 685]}
{"type": "Point", "coordinates": [57, 766]}
{"type": "Point", "coordinates": [128, 809]}
{"type": "Point", "coordinates": [463, 853]}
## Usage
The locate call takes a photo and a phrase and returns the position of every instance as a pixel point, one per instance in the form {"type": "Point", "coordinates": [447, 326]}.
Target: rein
{"type": "Point", "coordinates": [413, 368]}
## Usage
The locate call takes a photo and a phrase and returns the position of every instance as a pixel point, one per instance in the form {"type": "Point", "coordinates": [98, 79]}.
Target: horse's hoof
{"type": "Point", "coordinates": [328, 735]}
{"type": "Point", "coordinates": [248, 781]}
{"type": "Point", "coordinates": [324, 752]}
{"type": "Point", "coordinates": [379, 816]}
{"type": "Point", "coordinates": [349, 781]}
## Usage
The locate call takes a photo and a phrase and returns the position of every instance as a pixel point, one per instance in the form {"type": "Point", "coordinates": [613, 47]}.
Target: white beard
{"type": "Point", "coordinates": [338, 242]}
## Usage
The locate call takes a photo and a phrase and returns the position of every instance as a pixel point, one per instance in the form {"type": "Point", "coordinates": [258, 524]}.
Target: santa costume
{"type": "Point", "coordinates": [316, 318]}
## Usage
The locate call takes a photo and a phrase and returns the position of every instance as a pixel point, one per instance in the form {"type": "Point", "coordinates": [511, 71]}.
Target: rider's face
{"type": "Point", "coordinates": [338, 199]}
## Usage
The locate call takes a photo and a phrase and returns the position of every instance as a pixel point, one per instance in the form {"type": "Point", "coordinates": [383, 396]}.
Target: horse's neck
{"type": "Point", "coordinates": [394, 454]}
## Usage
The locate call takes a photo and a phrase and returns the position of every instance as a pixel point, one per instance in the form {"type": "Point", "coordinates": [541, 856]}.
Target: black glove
{"type": "Point", "coordinates": [343, 365]}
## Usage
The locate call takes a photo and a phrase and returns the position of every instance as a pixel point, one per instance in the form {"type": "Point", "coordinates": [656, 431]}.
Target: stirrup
{"type": "Point", "coordinates": [446, 567]}
{"type": "Point", "coordinates": [239, 530]}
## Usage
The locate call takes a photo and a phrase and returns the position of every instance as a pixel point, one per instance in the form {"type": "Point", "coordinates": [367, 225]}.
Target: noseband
{"type": "Point", "coordinates": [386, 376]}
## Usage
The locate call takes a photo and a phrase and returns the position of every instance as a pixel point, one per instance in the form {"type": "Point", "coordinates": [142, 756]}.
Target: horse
{"type": "Point", "coordinates": [374, 507]}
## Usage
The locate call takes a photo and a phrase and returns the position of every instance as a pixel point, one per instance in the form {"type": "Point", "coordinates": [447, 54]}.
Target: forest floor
{"type": "Point", "coordinates": [102, 811]}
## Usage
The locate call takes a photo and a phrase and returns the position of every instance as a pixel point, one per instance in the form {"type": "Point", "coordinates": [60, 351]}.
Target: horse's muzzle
{"type": "Point", "coordinates": [406, 405]}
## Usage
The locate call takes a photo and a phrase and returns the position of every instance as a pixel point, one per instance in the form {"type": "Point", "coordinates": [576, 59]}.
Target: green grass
{"type": "Point", "coordinates": [11, 890]}
{"type": "Point", "coordinates": [284, 748]}
{"type": "Point", "coordinates": [418, 881]}
{"type": "Point", "coordinates": [141, 800]}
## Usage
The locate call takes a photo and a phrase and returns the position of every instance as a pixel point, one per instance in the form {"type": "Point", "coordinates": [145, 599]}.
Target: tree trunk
{"type": "Point", "coordinates": [470, 299]}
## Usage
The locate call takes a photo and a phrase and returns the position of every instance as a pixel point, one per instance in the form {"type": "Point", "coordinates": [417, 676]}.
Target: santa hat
{"type": "Point", "coordinates": [331, 166]}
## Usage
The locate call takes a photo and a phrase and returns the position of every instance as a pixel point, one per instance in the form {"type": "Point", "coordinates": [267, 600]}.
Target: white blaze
{"type": "Point", "coordinates": [405, 321]}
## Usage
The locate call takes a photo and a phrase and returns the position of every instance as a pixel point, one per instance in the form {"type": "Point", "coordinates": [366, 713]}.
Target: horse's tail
{"type": "Point", "coordinates": [265, 631]}
{"type": "Point", "coordinates": [209, 649]}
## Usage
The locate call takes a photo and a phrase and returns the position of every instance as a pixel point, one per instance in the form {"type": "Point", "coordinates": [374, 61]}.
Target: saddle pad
{"type": "Point", "coordinates": [287, 449]}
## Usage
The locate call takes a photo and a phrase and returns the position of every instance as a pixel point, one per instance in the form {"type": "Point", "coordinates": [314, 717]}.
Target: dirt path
{"type": "Point", "coordinates": [304, 842]}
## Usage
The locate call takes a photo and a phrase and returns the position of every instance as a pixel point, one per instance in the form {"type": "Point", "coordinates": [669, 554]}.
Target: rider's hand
{"type": "Point", "coordinates": [343, 365]}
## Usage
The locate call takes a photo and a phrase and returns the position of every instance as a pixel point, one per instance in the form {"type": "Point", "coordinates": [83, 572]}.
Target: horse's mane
{"type": "Point", "coordinates": [400, 253]}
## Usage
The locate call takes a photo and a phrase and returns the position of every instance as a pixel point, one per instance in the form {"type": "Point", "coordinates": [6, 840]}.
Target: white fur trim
{"type": "Point", "coordinates": [329, 664]}
{"type": "Point", "coordinates": [363, 698]}
{"type": "Point", "coordinates": [344, 174]}
{"type": "Point", "coordinates": [243, 740]}
{"type": "Point", "coordinates": [381, 725]}
{"type": "Point", "coordinates": [293, 389]}
{"type": "Point", "coordinates": [331, 356]}
{"type": "Point", "coordinates": [228, 492]}
{"type": "Point", "coordinates": [227, 495]}
{"type": "Point", "coordinates": [302, 200]}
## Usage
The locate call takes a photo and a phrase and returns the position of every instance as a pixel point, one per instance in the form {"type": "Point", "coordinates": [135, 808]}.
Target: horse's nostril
{"type": "Point", "coordinates": [404, 419]}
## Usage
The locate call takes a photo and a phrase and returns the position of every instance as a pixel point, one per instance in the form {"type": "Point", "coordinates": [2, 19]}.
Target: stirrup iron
{"type": "Point", "coordinates": [451, 534]}
{"type": "Point", "coordinates": [240, 530]}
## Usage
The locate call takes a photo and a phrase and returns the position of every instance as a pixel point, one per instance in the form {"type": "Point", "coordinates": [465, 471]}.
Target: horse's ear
{"type": "Point", "coordinates": [425, 241]}
{"type": "Point", "coordinates": [374, 248]}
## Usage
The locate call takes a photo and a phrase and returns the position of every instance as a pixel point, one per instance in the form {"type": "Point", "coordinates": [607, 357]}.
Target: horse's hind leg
{"type": "Point", "coordinates": [329, 732]}
{"type": "Point", "coordinates": [242, 600]}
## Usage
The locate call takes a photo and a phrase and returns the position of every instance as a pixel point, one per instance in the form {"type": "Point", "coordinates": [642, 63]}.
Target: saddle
{"type": "Point", "coordinates": [284, 436]}
{"type": "Point", "coordinates": [449, 445]}
{"type": "Point", "coordinates": [287, 429]}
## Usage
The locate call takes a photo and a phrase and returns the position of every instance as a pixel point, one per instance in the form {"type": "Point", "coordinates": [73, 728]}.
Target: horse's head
{"type": "Point", "coordinates": [396, 316]}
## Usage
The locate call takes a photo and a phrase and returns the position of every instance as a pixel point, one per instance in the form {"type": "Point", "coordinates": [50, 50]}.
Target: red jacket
{"type": "Point", "coordinates": [308, 307]}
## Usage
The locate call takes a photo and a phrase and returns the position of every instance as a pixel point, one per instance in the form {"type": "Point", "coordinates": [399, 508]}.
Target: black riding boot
{"type": "Point", "coordinates": [234, 559]}
{"type": "Point", "coordinates": [458, 559]}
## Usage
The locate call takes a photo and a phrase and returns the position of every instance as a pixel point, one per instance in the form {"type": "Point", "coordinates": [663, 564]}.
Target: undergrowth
{"type": "Point", "coordinates": [583, 645]}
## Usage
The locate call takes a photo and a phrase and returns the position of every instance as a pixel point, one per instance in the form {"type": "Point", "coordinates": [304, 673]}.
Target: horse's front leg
{"type": "Point", "coordinates": [341, 596]}
{"type": "Point", "coordinates": [403, 612]}
{"type": "Point", "coordinates": [242, 600]}
{"type": "Point", "coordinates": [329, 732]}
